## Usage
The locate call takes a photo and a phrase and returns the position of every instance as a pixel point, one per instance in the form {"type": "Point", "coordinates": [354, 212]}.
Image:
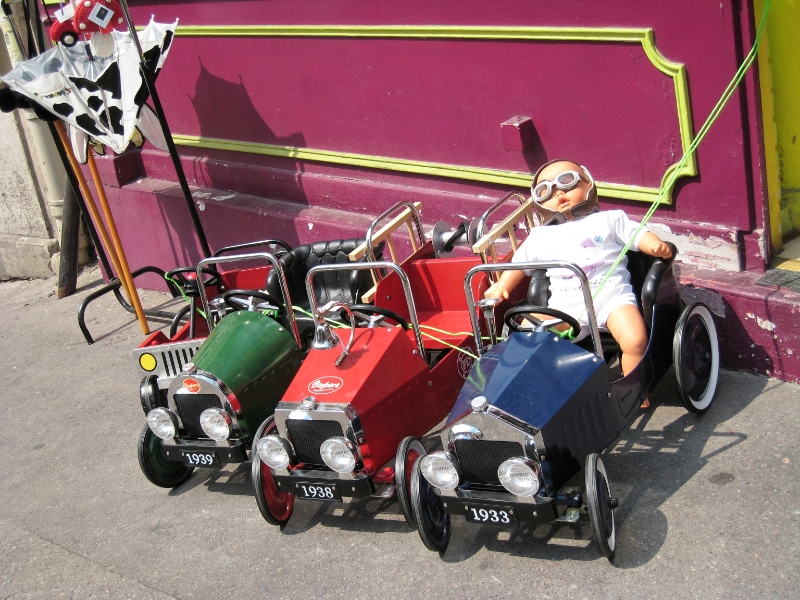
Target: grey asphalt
{"type": "Point", "coordinates": [709, 506]}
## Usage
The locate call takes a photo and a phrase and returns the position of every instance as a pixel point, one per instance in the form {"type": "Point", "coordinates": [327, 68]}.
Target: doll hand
{"type": "Point", "coordinates": [496, 291]}
{"type": "Point", "coordinates": [660, 250]}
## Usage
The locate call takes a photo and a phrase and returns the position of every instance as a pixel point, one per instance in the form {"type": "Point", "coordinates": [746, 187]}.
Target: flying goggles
{"type": "Point", "coordinates": [565, 181]}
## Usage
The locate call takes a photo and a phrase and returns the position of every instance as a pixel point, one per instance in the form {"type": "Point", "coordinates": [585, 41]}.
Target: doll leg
{"type": "Point", "coordinates": [627, 326]}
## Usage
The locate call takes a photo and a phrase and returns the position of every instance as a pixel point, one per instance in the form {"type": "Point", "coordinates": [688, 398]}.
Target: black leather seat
{"type": "Point", "coordinates": [343, 286]}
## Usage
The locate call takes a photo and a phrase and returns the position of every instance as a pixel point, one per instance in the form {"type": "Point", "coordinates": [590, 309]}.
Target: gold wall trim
{"type": "Point", "coordinates": [676, 71]}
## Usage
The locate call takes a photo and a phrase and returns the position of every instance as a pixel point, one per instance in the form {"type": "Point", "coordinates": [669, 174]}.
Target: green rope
{"type": "Point", "coordinates": [485, 337]}
{"type": "Point", "coordinates": [726, 95]}
{"type": "Point", "coordinates": [454, 347]}
{"type": "Point", "coordinates": [567, 334]}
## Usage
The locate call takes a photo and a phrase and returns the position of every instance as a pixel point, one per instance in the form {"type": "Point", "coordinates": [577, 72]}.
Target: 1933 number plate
{"type": "Point", "coordinates": [317, 491]}
{"type": "Point", "coordinates": [200, 459]}
{"type": "Point", "coordinates": [493, 515]}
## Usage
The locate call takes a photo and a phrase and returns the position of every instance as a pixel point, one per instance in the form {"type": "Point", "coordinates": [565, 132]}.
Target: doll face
{"type": "Point", "coordinates": [562, 200]}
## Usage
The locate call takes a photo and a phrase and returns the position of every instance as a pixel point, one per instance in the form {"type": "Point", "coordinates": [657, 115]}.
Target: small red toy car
{"type": "Point", "coordinates": [86, 17]}
{"type": "Point", "coordinates": [349, 424]}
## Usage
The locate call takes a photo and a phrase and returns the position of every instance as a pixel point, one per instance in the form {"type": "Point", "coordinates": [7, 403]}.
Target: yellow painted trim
{"type": "Point", "coordinates": [770, 135]}
{"type": "Point", "coordinates": [509, 178]}
{"type": "Point", "coordinates": [676, 71]}
{"type": "Point", "coordinates": [786, 264]}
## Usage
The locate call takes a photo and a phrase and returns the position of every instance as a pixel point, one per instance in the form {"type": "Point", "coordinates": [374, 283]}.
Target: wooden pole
{"type": "Point", "coordinates": [87, 195]}
{"type": "Point", "coordinates": [112, 228]}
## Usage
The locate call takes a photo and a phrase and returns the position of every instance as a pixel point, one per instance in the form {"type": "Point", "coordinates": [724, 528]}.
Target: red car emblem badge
{"type": "Point", "coordinates": [325, 385]}
{"type": "Point", "coordinates": [191, 386]}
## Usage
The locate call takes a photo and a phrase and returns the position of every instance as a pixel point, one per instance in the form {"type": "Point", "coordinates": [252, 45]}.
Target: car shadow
{"type": "Point", "coordinates": [233, 480]}
{"type": "Point", "coordinates": [372, 515]}
{"type": "Point", "coordinates": [662, 450]}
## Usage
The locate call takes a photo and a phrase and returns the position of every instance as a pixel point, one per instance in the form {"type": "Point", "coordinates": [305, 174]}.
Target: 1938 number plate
{"type": "Point", "coordinates": [318, 491]}
{"type": "Point", "coordinates": [200, 459]}
{"type": "Point", "coordinates": [493, 515]}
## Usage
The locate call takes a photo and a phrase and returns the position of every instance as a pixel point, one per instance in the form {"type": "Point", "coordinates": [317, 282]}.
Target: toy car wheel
{"type": "Point", "coordinates": [155, 465]}
{"type": "Point", "coordinates": [408, 452]}
{"type": "Point", "coordinates": [433, 523]}
{"type": "Point", "coordinates": [695, 353]}
{"type": "Point", "coordinates": [601, 506]}
{"type": "Point", "coordinates": [69, 38]}
{"type": "Point", "coordinates": [149, 394]}
{"type": "Point", "coordinates": [276, 507]}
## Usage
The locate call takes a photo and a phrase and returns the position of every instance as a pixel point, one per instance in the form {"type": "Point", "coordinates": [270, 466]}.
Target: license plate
{"type": "Point", "coordinates": [493, 515]}
{"type": "Point", "coordinates": [317, 491]}
{"type": "Point", "coordinates": [200, 459]}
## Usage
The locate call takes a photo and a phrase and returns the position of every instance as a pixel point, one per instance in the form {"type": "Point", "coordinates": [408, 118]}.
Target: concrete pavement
{"type": "Point", "coordinates": [709, 506]}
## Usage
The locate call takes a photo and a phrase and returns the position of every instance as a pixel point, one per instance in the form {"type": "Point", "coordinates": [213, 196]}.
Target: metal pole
{"type": "Point", "coordinates": [173, 153]}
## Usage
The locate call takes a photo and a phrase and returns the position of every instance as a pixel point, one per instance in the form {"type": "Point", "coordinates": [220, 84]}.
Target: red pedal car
{"type": "Point", "coordinates": [349, 424]}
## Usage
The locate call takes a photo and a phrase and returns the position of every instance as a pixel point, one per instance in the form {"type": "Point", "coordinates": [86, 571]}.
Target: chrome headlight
{"type": "Point", "coordinates": [519, 476]}
{"type": "Point", "coordinates": [440, 470]}
{"type": "Point", "coordinates": [339, 454]}
{"type": "Point", "coordinates": [163, 423]}
{"type": "Point", "coordinates": [216, 423]}
{"type": "Point", "coordinates": [272, 452]}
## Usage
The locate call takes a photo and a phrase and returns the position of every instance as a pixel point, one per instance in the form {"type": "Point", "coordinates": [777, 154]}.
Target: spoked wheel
{"type": "Point", "coordinates": [695, 352]}
{"type": "Point", "coordinates": [601, 506]}
{"type": "Point", "coordinates": [433, 524]}
{"type": "Point", "coordinates": [155, 465]}
{"type": "Point", "coordinates": [275, 506]}
{"type": "Point", "coordinates": [408, 452]}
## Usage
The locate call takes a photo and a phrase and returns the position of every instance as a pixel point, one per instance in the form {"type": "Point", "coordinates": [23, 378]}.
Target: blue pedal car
{"type": "Point", "coordinates": [536, 408]}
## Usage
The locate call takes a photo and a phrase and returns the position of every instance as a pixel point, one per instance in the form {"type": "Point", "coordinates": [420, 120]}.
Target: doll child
{"type": "Point", "coordinates": [573, 229]}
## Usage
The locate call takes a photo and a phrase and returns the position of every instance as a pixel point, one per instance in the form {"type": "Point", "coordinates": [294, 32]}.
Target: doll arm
{"type": "Point", "coordinates": [651, 244]}
{"type": "Point", "coordinates": [508, 281]}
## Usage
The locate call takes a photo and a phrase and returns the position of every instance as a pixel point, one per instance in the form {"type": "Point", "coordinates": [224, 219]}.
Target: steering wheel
{"type": "Point", "coordinates": [236, 304]}
{"type": "Point", "coordinates": [530, 311]}
{"type": "Point", "coordinates": [377, 310]}
{"type": "Point", "coordinates": [184, 282]}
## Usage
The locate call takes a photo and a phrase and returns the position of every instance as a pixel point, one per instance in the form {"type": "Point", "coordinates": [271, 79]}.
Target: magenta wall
{"type": "Point", "coordinates": [443, 100]}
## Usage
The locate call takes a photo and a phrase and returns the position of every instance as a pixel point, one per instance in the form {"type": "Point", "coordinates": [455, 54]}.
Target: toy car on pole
{"type": "Point", "coordinates": [349, 424]}
{"type": "Point", "coordinates": [204, 397]}
{"type": "Point", "coordinates": [537, 408]}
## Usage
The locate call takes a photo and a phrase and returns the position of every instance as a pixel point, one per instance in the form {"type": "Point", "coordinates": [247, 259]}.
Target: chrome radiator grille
{"type": "Point", "coordinates": [306, 437]}
{"type": "Point", "coordinates": [191, 406]}
{"type": "Point", "coordinates": [174, 359]}
{"type": "Point", "coordinates": [479, 459]}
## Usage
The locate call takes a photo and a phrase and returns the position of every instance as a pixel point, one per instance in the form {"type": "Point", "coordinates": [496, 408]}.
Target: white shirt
{"type": "Point", "coordinates": [593, 243]}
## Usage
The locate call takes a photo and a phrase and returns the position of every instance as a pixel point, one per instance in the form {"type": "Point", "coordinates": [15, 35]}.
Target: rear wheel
{"type": "Point", "coordinates": [695, 353]}
{"type": "Point", "coordinates": [601, 506]}
{"type": "Point", "coordinates": [275, 506]}
{"type": "Point", "coordinates": [433, 524]}
{"type": "Point", "coordinates": [69, 38]}
{"type": "Point", "coordinates": [155, 465]}
{"type": "Point", "coordinates": [408, 452]}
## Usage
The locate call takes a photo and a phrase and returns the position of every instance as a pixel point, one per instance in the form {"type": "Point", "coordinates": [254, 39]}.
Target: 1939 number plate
{"type": "Point", "coordinates": [317, 491]}
{"type": "Point", "coordinates": [200, 459]}
{"type": "Point", "coordinates": [493, 515]}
